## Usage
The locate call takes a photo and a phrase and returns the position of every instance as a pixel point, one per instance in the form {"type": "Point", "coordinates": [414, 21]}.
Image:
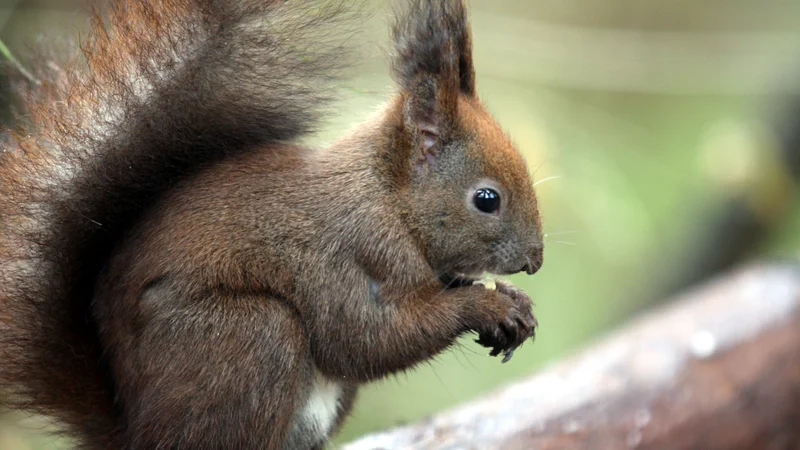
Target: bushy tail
{"type": "Point", "coordinates": [164, 87]}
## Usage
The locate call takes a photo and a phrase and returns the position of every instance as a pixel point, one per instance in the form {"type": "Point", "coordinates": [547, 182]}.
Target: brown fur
{"type": "Point", "coordinates": [191, 277]}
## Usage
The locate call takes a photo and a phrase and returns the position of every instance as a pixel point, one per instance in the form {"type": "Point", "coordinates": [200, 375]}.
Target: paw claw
{"type": "Point", "coordinates": [515, 325]}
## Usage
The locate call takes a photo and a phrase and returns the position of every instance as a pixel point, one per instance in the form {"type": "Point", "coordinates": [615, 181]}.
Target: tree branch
{"type": "Point", "coordinates": [717, 369]}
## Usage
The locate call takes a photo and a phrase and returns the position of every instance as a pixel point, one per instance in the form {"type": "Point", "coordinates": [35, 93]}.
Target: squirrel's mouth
{"type": "Point", "coordinates": [456, 279]}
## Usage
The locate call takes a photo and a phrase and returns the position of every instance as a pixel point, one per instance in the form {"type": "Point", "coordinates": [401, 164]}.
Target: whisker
{"type": "Point", "coordinates": [554, 177]}
{"type": "Point", "coordinates": [538, 167]}
{"type": "Point", "coordinates": [565, 242]}
{"type": "Point", "coordinates": [560, 233]}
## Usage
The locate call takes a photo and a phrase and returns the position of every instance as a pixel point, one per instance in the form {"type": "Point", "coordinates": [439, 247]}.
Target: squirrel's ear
{"type": "Point", "coordinates": [432, 38]}
{"type": "Point", "coordinates": [427, 113]}
{"type": "Point", "coordinates": [433, 64]}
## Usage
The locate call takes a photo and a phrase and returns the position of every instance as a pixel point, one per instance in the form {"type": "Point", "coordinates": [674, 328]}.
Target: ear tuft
{"type": "Point", "coordinates": [432, 39]}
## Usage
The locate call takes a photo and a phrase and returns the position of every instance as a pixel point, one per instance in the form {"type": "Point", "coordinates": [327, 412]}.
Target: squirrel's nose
{"type": "Point", "coordinates": [534, 262]}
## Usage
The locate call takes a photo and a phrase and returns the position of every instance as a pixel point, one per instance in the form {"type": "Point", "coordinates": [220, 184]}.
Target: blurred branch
{"type": "Point", "coordinates": [638, 61]}
{"type": "Point", "coordinates": [6, 54]}
{"type": "Point", "coordinates": [717, 369]}
{"type": "Point", "coordinates": [753, 211]}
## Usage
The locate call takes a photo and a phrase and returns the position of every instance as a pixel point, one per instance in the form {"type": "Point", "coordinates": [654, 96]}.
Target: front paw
{"type": "Point", "coordinates": [513, 322]}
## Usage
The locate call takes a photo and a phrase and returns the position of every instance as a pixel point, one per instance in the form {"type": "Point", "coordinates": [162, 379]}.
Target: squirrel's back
{"type": "Point", "coordinates": [166, 87]}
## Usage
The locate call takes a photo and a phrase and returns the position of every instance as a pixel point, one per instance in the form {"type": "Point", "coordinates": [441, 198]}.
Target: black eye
{"type": "Point", "coordinates": [487, 200]}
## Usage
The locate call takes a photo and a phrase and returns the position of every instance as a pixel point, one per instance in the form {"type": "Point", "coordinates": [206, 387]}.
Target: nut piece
{"type": "Point", "coordinates": [488, 283]}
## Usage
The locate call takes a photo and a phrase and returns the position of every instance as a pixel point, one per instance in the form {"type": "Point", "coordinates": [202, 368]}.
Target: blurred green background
{"type": "Point", "coordinates": [660, 132]}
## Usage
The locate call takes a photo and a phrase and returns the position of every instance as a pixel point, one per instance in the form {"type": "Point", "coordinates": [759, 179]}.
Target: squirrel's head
{"type": "Point", "coordinates": [472, 204]}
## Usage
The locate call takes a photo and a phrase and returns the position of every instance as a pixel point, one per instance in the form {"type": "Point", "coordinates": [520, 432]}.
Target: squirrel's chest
{"type": "Point", "coordinates": [322, 405]}
{"type": "Point", "coordinates": [317, 417]}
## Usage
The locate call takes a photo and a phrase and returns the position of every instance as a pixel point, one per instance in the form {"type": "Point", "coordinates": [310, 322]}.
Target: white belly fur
{"type": "Point", "coordinates": [322, 404]}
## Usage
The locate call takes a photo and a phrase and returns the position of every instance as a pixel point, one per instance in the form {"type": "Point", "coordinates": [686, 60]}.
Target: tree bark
{"type": "Point", "coordinates": [718, 368]}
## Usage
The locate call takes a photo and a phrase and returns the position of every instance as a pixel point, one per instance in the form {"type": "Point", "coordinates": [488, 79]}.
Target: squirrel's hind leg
{"type": "Point", "coordinates": [229, 371]}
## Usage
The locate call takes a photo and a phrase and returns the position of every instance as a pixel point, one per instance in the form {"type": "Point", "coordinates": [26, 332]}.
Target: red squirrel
{"type": "Point", "coordinates": [179, 272]}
